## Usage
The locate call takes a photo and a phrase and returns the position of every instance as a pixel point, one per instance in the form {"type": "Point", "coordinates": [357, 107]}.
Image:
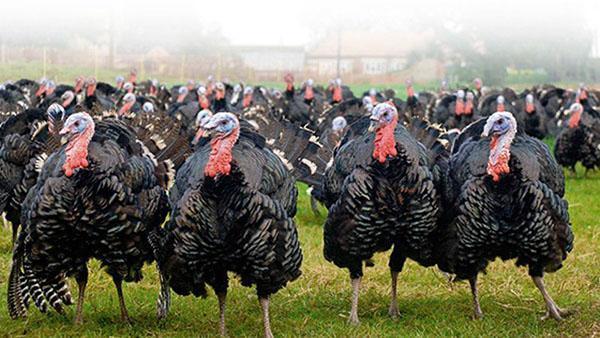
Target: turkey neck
{"type": "Point", "coordinates": [469, 107]}
{"type": "Point", "coordinates": [459, 108]}
{"type": "Point", "coordinates": [246, 101]}
{"type": "Point", "coordinates": [337, 94]}
{"type": "Point", "coordinates": [219, 162]}
{"type": "Point", "coordinates": [500, 155]}
{"type": "Point", "coordinates": [77, 151]}
{"type": "Point", "coordinates": [385, 141]}
{"type": "Point", "coordinates": [126, 107]}
{"type": "Point", "coordinates": [574, 120]}
{"type": "Point", "coordinates": [529, 108]}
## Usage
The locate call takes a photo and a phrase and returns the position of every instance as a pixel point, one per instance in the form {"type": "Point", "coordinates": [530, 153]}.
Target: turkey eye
{"type": "Point", "coordinates": [224, 122]}
{"type": "Point", "coordinates": [76, 123]}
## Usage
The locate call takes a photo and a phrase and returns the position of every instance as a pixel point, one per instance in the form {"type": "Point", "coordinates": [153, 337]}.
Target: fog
{"type": "Point", "coordinates": [200, 27]}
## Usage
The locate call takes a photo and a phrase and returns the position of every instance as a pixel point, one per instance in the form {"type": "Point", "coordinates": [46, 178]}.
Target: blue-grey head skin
{"type": "Point", "coordinates": [203, 117]}
{"type": "Point", "coordinates": [338, 124]}
{"type": "Point", "coordinates": [338, 81]}
{"type": "Point", "coordinates": [222, 124]}
{"type": "Point", "coordinates": [500, 99]}
{"type": "Point", "coordinates": [148, 107]}
{"type": "Point", "coordinates": [499, 123]}
{"type": "Point", "coordinates": [220, 86]}
{"type": "Point", "coordinates": [460, 94]}
{"type": "Point", "coordinates": [575, 107]}
{"type": "Point", "coordinates": [367, 103]}
{"type": "Point", "coordinates": [43, 81]}
{"type": "Point", "coordinates": [129, 97]}
{"type": "Point", "coordinates": [248, 90]}
{"type": "Point", "coordinates": [128, 86]}
{"type": "Point", "coordinates": [67, 95]}
{"type": "Point", "coordinates": [237, 88]}
{"type": "Point", "coordinates": [201, 90]}
{"type": "Point", "coordinates": [470, 96]}
{"type": "Point", "coordinates": [310, 82]}
{"type": "Point", "coordinates": [51, 84]}
{"type": "Point", "coordinates": [155, 82]}
{"type": "Point", "coordinates": [372, 92]}
{"type": "Point", "coordinates": [119, 79]}
{"type": "Point", "coordinates": [77, 123]}
{"type": "Point", "coordinates": [529, 98]}
{"type": "Point", "coordinates": [383, 114]}
{"type": "Point", "coordinates": [182, 90]}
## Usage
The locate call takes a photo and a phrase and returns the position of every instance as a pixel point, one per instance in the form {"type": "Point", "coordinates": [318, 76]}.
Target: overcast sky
{"type": "Point", "coordinates": [281, 22]}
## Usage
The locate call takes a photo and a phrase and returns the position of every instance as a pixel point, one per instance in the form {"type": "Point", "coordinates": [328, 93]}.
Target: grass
{"type": "Point", "coordinates": [317, 304]}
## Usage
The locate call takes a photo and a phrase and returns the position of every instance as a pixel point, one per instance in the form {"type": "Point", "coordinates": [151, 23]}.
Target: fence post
{"type": "Point", "coordinates": [181, 70]}
{"type": "Point", "coordinates": [44, 63]}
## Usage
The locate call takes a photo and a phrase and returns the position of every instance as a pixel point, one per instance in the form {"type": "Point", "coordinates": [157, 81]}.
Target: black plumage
{"type": "Point", "coordinates": [504, 200]}
{"type": "Point", "coordinates": [240, 221]}
{"type": "Point", "coordinates": [579, 139]}
{"type": "Point", "coordinates": [374, 205]}
{"type": "Point", "coordinates": [105, 210]}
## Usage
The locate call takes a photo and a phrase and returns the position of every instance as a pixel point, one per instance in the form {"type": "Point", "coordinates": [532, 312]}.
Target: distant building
{"type": "Point", "coordinates": [272, 59]}
{"type": "Point", "coordinates": [364, 53]}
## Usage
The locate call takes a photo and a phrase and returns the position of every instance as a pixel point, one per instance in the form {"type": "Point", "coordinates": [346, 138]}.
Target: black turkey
{"type": "Point", "coordinates": [381, 191]}
{"type": "Point", "coordinates": [579, 139]}
{"type": "Point", "coordinates": [232, 210]}
{"type": "Point", "coordinates": [505, 199]}
{"type": "Point", "coordinates": [97, 197]}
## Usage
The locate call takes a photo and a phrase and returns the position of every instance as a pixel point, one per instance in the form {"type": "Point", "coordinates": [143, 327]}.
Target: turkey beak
{"type": "Point", "coordinates": [65, 130]}
{"type": "Point", "coordinates": [373, 126]}
{"type": "Point", "coordinates": [200, 134]}
{"type": "Point", "coordinates": [486, 131]}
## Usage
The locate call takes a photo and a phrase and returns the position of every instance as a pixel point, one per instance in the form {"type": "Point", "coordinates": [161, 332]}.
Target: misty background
{"type": "Point", "coordinates": [502, 42]}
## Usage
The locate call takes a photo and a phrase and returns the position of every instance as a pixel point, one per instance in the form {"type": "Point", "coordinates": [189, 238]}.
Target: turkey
{"type": "Point", "coordinates": [232, 210]}
{"type": "Point", "coordinates": [27, 140]}
{"type": "Point", "coordinates": [579, 140]}
{"type": "Point", "coordinates": [530, 114]}
{"type": "Point", "coordinates": [381, 191]}
{"type": "Point", "coordinates": [97, 197]}
{"type": "Point", "coordinates": [505, 200]}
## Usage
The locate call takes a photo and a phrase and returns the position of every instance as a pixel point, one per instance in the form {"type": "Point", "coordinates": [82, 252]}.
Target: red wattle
{"type": "Point", "coordinates": [77, 152]}
{"type": "Point", "coordinates": [181, 97]}
{"type": "Point", "coordinates": [219, 161]}
{"type": "Point", "coordinates": [309, 94]}
{"type": "Point", "coordinates": [469, 107]}
{"type": "Point", "coordinates": [203, 102]}
{"type": "Point", "coordinates": [40, 90]}
{"type": "Point", "coordinates": [337, 94]}
{"type": "Point", "coordinates": [500, 107]}
{"type": "Point", "coordinates": [501, 166]}
{"type": "Point", "coordinates": [246, 101]}
{"type": "Point", "coordinates": [410, 91]}
{"type": "Point", "coordinates": [385, 142]}
{"type": "Point", "coordinates": [125, 108]}
{"type": "Point", "coordinates": [583, 95]}
{"type": "Point", "coordinates": [574, 120]}
{"type": "Point", "coordinates": [529, 107]}
{"type": "Point", "coordinates": [459, 107]}
{"type": "Point", "coordinates": [91, 90]}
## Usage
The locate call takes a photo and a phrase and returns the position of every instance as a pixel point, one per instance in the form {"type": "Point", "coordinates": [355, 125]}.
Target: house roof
{"type": "Point", "coordinates": [370, 44]}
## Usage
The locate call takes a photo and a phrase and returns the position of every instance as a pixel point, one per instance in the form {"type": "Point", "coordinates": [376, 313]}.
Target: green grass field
{"type": "Point", "coordinates": [317, 304]}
